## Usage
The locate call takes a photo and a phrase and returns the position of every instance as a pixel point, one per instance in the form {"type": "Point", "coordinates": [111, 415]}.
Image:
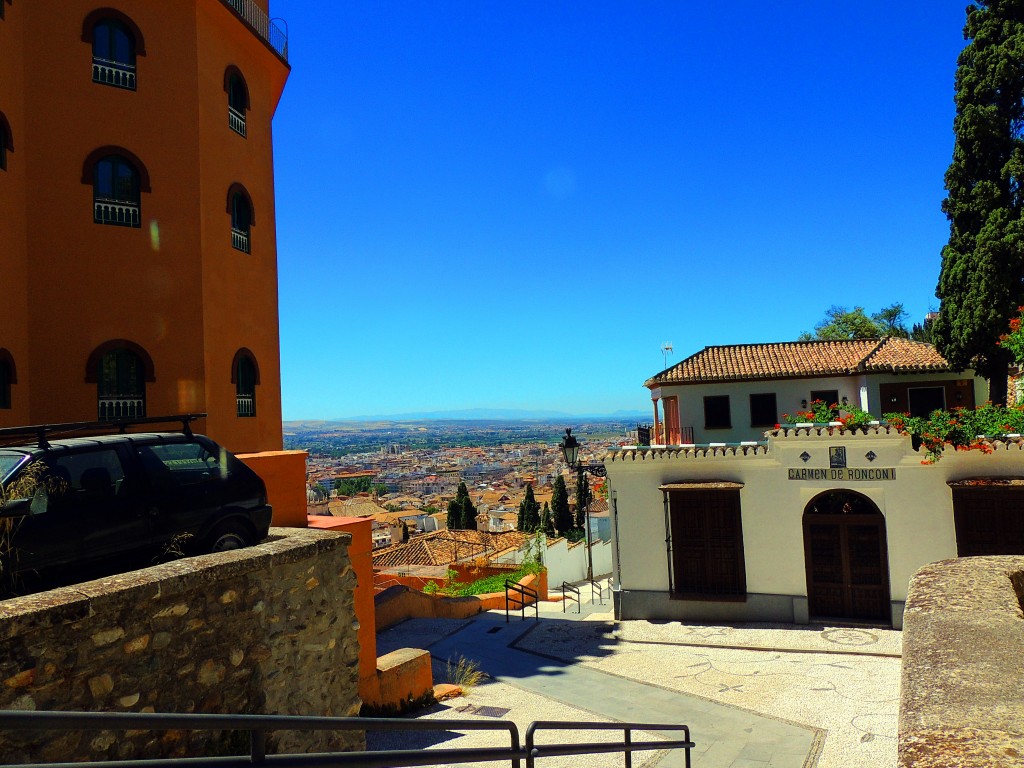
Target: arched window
{"type": "Point", "coordinates": [120, 370]}
{"type": "Point", "coordinates": [238, 99]}
{"type": "Point", "coordinates": [116, 192]}
{"type": "Point", "coordinates": [245, 375]}
{"type": "Point", "coordinates": [116, 41]}
{"type": "Point", "coordinates": [242, 218]}
{"type": "Point", "coordinates": [8, 374]}
{"type": "Point", "coordinates": [6, 140]}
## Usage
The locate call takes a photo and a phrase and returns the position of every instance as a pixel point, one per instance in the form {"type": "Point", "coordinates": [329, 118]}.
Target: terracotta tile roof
{"type": "Point", "coordinates": [794, 359]}
{"type": "Point", "coordinates": [446, 547]}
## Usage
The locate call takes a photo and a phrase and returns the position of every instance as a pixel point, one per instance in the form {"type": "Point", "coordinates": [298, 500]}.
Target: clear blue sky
{"type": "Point", "coordinates": [484, 204]}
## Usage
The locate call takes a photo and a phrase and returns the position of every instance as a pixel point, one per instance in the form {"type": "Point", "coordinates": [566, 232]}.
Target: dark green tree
{"type": "Point", "coordinates": [529, 512]}
{"type": "Point", "coordinates": [560, 510]}
{"type": "Point", "coordinates": [841, 324]}
{"type": "Point", "coordinates": [980, 283]}
{"type": "Point", "coordinates": [468, 513]}
{"type": "Point", "coordinates": [547, 522]}
{"type": "Point", "coordinates": [456, 509]}
{"type": "Point", "coordinates": [583, 498]}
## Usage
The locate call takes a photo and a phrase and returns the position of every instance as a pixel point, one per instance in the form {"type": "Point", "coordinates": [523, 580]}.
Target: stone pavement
{"type": "Point", "coordinates": [802, 697]}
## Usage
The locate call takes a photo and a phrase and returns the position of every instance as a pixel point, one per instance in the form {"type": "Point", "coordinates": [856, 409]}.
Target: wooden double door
{"type": "Point", "coordinates": [846, 558]}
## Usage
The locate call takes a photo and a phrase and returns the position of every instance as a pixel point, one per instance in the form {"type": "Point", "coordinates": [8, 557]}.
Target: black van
{"type": "Point", "coordinates": [115, 502]}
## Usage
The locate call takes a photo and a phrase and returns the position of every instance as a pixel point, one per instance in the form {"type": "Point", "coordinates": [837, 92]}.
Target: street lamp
{"type": "Point", "coordinates": [571, 453]}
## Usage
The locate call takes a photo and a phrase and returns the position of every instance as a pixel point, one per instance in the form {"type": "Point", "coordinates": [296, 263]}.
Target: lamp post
{"type": "Point", "coordinates": [571, 453]}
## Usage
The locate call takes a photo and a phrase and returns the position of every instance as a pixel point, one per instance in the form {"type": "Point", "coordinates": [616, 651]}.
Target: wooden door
{"type": "Point", "coordinates": [846, 559]}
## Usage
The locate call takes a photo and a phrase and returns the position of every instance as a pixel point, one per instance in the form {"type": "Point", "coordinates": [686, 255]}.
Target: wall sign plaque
{"type": "Point", "coordinates": [845, 473]}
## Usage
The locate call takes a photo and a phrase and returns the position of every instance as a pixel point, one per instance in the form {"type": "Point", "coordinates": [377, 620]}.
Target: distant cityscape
{"type": "Point", "coordinates": [413, 468]}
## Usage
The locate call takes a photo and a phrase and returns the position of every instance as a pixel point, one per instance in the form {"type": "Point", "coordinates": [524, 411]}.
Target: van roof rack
{"type": "Point", "coordinates": [41, 431]}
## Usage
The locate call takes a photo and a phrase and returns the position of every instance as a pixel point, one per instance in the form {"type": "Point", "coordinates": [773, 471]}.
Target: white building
{"type": "Point", "coordinates": [816, 524]}
{"type": "Point", "coordinates": [801, 524]}
{"type": "Point", "coordinates": [734, 393]}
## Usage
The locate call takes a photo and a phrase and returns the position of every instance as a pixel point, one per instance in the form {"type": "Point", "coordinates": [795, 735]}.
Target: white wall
{"type": "Point", "coordinates": [917, 505]}
{"type": "Point", "coordinates": [567, 562]}
{"type": "Point", "coordinates": [789, 393]}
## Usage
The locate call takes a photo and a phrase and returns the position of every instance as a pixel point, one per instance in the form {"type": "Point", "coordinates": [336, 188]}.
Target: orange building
{"type": "Point", "coordinates": [137, 234]}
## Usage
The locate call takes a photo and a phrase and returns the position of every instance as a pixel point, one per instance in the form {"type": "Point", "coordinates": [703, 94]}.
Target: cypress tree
{"type": "Point", "coordinates": [468, 513]}
{"type": "Point", "coordinates": [456, 509]}
{"type": "Point", "coordinates": [529, 512]}
{"type": "Point", "coordinates": [560, 510]}
{"type": "Point", "coordinates": [547, 522]}
{"type": "Point", "coordinates": [583, 498]}
{"type": "Point", "coordinates": [980, 284]}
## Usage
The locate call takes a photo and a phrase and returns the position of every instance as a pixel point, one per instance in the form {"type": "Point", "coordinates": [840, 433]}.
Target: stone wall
{"type": "Point", "coordinates": [269, 629]}
{"type": "Point", "coordinates": [963, 641]}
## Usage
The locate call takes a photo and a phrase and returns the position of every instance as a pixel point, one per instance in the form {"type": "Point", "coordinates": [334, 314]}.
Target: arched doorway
{"type": "Point", "coordinates": [846, 557]}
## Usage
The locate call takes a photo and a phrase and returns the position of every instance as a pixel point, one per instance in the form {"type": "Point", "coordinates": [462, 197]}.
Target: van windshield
{"type": "Point", "coordinates": [10, 461]}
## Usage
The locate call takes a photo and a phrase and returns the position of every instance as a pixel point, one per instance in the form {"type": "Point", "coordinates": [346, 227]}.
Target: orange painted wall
{"type": "Point", "coordinates": [13, 221]}
{"type": "Point", "coordinates": [174, 286]}
{"type": "Point", "coordinates": [360, 552]}
{"type": "Point", "coordinates": [284, 474]}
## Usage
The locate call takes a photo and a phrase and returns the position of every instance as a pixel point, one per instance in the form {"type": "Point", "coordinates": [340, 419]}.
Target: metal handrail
{"type": "Point", "coordinates": [574, 594]}
{"type": "Point", "coordinates": [627, 747]}
{"type": "Point", "coordinates": [517, 594]}
{"type": "Point", "coordinates": [597, 589]}
{"type": "Point", "coordinates": [259, 725]}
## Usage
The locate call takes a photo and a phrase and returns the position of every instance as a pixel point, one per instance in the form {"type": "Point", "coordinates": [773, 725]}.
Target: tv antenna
{"type": "Point", "coordinates": [665, 349]}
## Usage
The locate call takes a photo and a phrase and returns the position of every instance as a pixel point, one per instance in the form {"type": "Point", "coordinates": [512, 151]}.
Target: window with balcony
{"type": "Point", "coordinates": [242, 218]}
{"type": "Point", "coordinates": [116, 192]}
{"type": "Point", "coordinates": [245, 375]}
{"type": "Point", "coordinates": [117, 177]}
{"type": "Point", "coordinates": [8, 375]}
{"type": "Point", "coordinates": [238, 99]}
{"type": "Point", "coordinates": [121, 384]}
{"type": "Point", "coordinates": [116, 42]}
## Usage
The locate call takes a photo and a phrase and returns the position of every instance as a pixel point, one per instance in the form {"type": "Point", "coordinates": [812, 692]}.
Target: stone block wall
{"type": "Point", "coordinates": [963, 641]}
{"type": "Point", "coordinates": [269, 629]}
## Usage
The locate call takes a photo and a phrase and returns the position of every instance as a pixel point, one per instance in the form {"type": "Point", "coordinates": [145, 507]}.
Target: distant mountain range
{"type": "Point", "coordinates": [489, 414]}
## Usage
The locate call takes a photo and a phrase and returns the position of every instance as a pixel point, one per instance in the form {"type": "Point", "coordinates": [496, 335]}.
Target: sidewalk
{"type": "Point", "coordinates": [754, 695]}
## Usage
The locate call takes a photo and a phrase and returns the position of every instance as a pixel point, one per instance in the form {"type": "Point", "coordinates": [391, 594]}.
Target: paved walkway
{"type": "Point", "coordinates": [753, 695]}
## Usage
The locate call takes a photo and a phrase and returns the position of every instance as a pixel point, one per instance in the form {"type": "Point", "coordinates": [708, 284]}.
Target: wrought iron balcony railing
{"type": "Point", "coordinates": [113, 73]}
{"type": "Point", "coordinates": [240, 240]}
{"type": "Point", "coordinates": [259, 23]}
{"type": "Point", "coordinates": [246, 405]}
{"type": "Point", "coordinates": [121, 408]}
{"type": "Point", "coordinates": [236, 121]}
{"type": "Point", "coordinates": [118, 212]}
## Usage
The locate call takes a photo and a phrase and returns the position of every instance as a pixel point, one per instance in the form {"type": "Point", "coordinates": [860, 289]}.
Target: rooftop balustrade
{"type": "Point", "coordinates": [258, 21]}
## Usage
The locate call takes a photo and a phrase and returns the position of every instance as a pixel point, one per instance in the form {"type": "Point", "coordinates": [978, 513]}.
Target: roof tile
{"type": "Point", "coordinates": [792, 359]}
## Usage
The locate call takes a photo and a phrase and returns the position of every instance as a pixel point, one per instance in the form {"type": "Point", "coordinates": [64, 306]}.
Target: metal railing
{"type": "Point", "coordinates": [236, 120]}
{"type": "Point", "coordinates": [573, 594]}
{"type": "Point", "coordinates": [259, 23]}
{"type": "Point", "coordinates": [117, 212]}
{"type": "Point", "coordinates": [517, 597]}
{"type": "Point", "coordinates": [240, 240]}
{"type": "Point", "coordinates": [258, 726]}
{"type": "Point", "coordinates": [115, 73]}
{"type": "Point", "coordinates": [596, 593]}
{"type": "Point", "coordinates": [245, 405]}
{"type": "Point", "coordinates": [121, 408]}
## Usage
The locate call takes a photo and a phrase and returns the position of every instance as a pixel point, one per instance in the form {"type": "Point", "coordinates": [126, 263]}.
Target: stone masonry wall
{"type": "Point", "coordinates": [269, 629]}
